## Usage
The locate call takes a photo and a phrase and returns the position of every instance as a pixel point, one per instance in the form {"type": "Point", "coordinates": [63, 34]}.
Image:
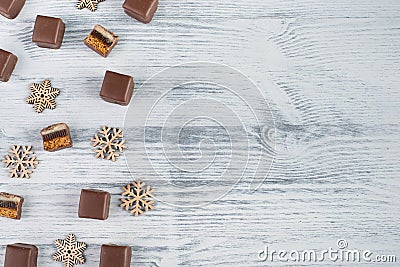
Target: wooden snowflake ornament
{"type": "Point", "coordinates": [89, 4]}
{"type": "Point", "coordinates": [69, 251]}
{"type": "Point", "coordinates": [43, 96]}
{"type": "Point", "coordinates": [139, 197]}
{"type": "Point", "coordinates": [21, 161]}
{"type": "Point", "coordinates": [109, 142]}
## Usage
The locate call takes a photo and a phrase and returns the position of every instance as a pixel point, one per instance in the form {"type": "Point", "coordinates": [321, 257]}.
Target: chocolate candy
{"type": "Point", "coordinates": [117, 88]}
{"type": "Point", "coordinates": [142, 10]}
{"type": "Point", "coordinates": [56, 137]}
{"type": "Point", "coordinates": [11, 206]}
{"type": "Point", "coordinates": [115, 256]}
{"type": "Point", "coordinates": [94, 204]}
{"type": "Point", "coordinates": [101, 40]}
{"type": "Point", "coordinates": [11, 8]}
{"type": "Point", "coordinates": [21, 255]}
{"type": "Point", "coordinates": [7, 65]}
{"type": "Point", "coordinates": [48, 32]}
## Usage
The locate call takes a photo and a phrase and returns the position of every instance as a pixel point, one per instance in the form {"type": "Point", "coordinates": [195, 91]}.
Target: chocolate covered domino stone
{"type": "Point", "coordinates": [117, 88]}
{"type": "Point", "coordinates": [56, 137]}
{"type": "Point", "coordinates": [94, 204]}
{"type": "Point", "coordinates": [21, 255]}
{"type": "Point", "coordinates": [142, 10]}
{"type": "Point", "coordinates": [101, 40]}
{"type": "Point", "coordinates": [115, 256]}
{"type": "Point", "coordinates": [48, 32]}
{"type": "Point", "coordinates": [11, 8]}
{"type": "Point", "coordinates": [11, 206]}
{"type": "Point", "coordinates": [7, 64]}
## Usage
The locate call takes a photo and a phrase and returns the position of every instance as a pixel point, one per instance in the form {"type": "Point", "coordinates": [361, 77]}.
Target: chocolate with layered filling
{"type": "Point", "coordinates": [101, 40]}
{"type": "Point", "coordinates": [11, 206]}
{"type": "Point", "coordinates": [56, 137]}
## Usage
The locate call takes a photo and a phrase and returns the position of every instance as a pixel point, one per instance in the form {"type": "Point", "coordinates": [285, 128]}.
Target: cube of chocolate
{"type": "Point", "coordinates": [21, 255]}
{"type": "Point", "coordinates": [142, 10]}
{"type": "Point", "coordinates": [7, 65]}
{"type": "Point", "coordinates": [94, 204]}
{"type": "Point", "coordinates": [11, 206]}
{"type": "Point", "coordinates": [117, 88]}
{"type": "Point", "coordinates": [11, 8]}
{"type": "Point", "coordinates": [56, 137]}
{"type": "Point", "coordinates": [101, 40]}
{"type": "Point", "coordinates": [115, 256]}
{"type": "Point", "coordinates": [48, 32]}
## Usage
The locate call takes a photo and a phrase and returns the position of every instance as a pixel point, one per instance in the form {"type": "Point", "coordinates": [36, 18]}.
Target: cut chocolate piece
{"type": "Point", "coordinates": [101, 40]}
{"type": "Point", "coordinates": [11, 206]}
{"type": "Point", "coordinates": [115, 256]}
{"type": "Point", "coordinates": [117, 88]}
{"type": "Point", "coordinates": [48, 32]}
{"type": "Point", "coordinates": [7, 65]}
{"type": "Point", "coordinates": [56, 137]}
{"type": "Point", "coordinates": [94, 204]}
{"type": "Point", "coordinates": [21, 255]}
{"type": "Point", "coordinates": [142, 10]}
{"type": "Point", "coordinates": [11, 8]}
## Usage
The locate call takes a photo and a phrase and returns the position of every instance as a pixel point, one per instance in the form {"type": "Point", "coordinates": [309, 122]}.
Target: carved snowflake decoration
{"type": "Point", "coordinates": [139, 197]}
{"type": "Point", "coordinates": [21, 161]}
{"type": "Point", "coordinates": [69, 251]}
{"type": "Point", "coordinates": [89, 4]}
{"type": "Point", "coordinates": [109, 143]}
{"type": "Point", "coordinates": [43, 96]}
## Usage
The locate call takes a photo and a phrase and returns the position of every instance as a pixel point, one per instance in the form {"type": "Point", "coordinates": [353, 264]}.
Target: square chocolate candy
{"type": "Point", "coordinates": [7, 65]}
{"type": "Point", "coordinates": [115, 256]}
{"type": "Point", "coordinates": [94, 204]}
{"type": "Point", "coordinates": [142, 10]}
{"type": "Point", "coordinates": [21, 255]}
{"type": "Point", "coordinates": [11, 8]}
{"type": "Point", "coordinates": [48, 32]}
{"type": "Point", "coordinates": [117, 88]}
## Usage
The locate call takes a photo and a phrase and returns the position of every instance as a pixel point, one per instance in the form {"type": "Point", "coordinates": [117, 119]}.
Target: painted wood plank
{"type": "Point", "coordinates": [329, 72]}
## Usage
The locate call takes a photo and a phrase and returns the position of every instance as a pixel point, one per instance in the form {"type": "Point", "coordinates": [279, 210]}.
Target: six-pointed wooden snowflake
{"type": "Point", "coordinates": [43, 96]}
{"type": "Point", "coordinates": [138, 197]}
{"type": "Point", "coordinates": [21, 161]}
{"type": "Point", "coordinates": [69, 251]}
{"type": "Point", "coordinates": [90, 4]}
{"type": "Point", "coordinates": [109, 143]}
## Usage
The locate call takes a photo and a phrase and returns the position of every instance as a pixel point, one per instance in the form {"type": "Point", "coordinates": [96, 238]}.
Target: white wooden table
{"type": "Point", "coordinates": [330, 73]}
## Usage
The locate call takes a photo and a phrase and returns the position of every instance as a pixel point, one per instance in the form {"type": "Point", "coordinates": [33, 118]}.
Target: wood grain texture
{"type": "Point", "coordinates": [330, 72]}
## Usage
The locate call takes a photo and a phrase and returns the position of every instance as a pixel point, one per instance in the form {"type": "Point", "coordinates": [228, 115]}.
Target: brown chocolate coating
{"type": "Point", "coordinates": [7, 65]}
{"type": "Point", "coordinates": [21, 255]}
{"type": "Point", "coordinates": [115, 256]}
{"type": "Point", "coordinates": [11, 8]}
{"type": "Point", "coordinates": [117, 88]}
{"type": "Point", "coordinates": [11, 206]}
{"type": "Point", "coordinates": [48, 32]}
{"type": "Point", "coordinates": [56, 137]}
{"type": "Point", "coordinates": [142, 10]}
{"type": "Point", "coordinates": [94, 204]}
{"type": "Point", "coordinates": [101, 40]}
